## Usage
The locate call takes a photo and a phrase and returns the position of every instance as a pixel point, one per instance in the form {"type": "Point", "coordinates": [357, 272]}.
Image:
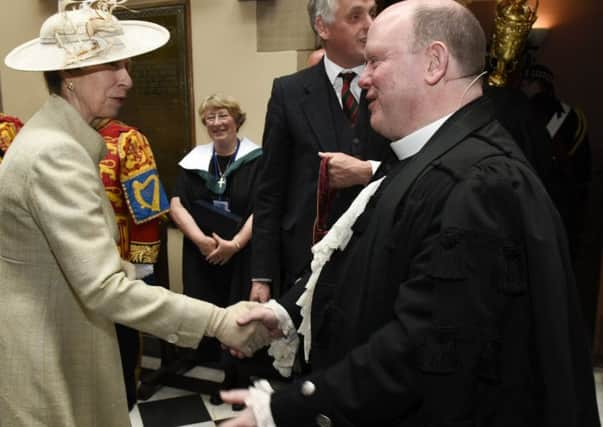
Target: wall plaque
{"type": "Point", "coordinates": [161, 102]}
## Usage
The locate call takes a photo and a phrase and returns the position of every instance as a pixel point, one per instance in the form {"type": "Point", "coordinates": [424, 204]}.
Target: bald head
{"type": "Point", "coordinates": [422, 60]}
{"type": "Point", "coordinates": [446, 21]}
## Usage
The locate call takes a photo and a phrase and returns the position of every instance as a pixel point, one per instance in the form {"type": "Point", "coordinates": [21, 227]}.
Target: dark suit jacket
{"type": "Point", "coordinates": [299, 124]}
{"type": "Point", "coordinates": [454, 302]}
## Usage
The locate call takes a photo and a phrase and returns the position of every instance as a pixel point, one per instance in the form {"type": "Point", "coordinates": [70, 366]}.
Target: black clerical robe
{"type": "Point", "coordinates": [219, 284]}
{"type": "Point", "coordinates": [454, 303]}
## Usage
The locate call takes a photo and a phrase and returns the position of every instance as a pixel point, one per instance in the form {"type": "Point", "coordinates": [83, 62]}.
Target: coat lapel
{"type": "Point", "coordinates": [315, 106]}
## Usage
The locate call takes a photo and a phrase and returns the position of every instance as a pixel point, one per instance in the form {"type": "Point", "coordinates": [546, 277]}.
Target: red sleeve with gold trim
{"type": "Point", "coordinates": [9, 127]}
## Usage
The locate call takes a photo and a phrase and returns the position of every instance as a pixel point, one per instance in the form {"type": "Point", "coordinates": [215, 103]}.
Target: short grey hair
{"type": "Point", "coordinates": [218, 101]}
{"type": "Point", "coordinates": [323, 8]}
{"type": "Point", "coordinates": [458, 29]}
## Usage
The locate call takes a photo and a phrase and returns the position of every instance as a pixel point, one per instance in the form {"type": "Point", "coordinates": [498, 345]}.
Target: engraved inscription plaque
{"type": "Point", "coordinates": [160, 103]}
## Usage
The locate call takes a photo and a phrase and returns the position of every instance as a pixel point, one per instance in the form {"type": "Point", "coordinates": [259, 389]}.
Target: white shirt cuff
{"type": "Point", "coordinates": [284, 349]}
{"type": "Point", "coordinates": [374, 165]}
{"type": "Point", "coordinates": [259, 403]}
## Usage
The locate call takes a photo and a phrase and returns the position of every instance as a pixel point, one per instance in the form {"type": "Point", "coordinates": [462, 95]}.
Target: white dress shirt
{"type": "Point", "coordinates": [333, 70]}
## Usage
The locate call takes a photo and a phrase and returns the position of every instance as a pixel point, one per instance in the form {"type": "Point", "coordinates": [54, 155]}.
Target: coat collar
{"type": "Point", "coordinates": [199, 157]}
{"type": "Point", "coordinates": [455, 130]}
{"type": "Point", "coordinates": [463, 122]}
{"type": "Point", "coordinates": [67, 117]}
{"type": "Point", "coordinates": [413, 143]}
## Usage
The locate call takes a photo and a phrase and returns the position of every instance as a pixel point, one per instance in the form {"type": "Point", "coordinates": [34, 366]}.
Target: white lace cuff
{"type": "Point", "coordinates": [337, 238]}
{"type": "Point", "coordinates": [259, 403]}
{"type": "Point", "coordinates": [283, 350]}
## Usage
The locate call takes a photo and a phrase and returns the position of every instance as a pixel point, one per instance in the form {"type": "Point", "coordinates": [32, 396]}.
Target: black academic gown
{"type": "Point", "coordinates": [230, 283]}
{"type": "Point", "coordinates": [454, 303]}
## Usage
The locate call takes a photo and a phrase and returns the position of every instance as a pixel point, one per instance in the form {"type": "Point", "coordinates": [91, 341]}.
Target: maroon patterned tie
{"type": "Point", "coordinates": [348, 102]}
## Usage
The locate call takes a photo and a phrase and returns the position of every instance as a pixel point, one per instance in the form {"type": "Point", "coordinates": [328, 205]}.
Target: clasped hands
{"type": "Point", "coordinates": [218, 250]}
{"type": "Point", "coordinates": [244, 327]}
{"type": "Point", "coordinates": [248, 315]}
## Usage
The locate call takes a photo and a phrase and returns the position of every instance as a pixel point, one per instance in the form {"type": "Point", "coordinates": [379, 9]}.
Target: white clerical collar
{"type": "Point", "coordinates": [333, 70]}
{"type": "Point", "coordinates": [413, 143]}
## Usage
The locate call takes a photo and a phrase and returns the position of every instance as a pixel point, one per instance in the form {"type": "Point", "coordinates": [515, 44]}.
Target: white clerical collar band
{"type": "Point", "coordinates": [413, 143]}
{"type": "Point", "coordinates": [85, 33]}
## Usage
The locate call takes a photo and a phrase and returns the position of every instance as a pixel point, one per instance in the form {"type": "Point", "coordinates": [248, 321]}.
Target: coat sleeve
{"type": "Point", "coordinates": [68, 203]}
{"type": "Point", "coordinates": [270, 196]}
{"type": "Point", "coordinates": [445, 265]}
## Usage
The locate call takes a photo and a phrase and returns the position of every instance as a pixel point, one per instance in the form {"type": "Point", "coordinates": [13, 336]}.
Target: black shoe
{"type": "Point", "coordinates": [215, 399]}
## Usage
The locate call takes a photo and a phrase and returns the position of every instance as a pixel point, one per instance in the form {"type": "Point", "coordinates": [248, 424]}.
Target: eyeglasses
{"type": "Point", "coordinates": [216, 118]}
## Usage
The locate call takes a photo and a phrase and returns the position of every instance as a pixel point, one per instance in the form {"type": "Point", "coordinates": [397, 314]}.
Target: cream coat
{"type": "Point", "coordinates": [62, 285]}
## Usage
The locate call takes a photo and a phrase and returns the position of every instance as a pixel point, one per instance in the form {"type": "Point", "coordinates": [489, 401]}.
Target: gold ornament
{"type": "Point", "coordinates": [514, 19]}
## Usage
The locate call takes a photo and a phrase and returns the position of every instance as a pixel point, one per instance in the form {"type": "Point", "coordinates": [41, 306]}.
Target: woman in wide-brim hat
{"type": "Point", "coordinates": [62, 281]}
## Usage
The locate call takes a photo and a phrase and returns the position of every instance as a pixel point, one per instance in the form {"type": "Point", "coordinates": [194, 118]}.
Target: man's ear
{"type": "Point", "coordinates": [322, 29]}
{"type": "Point", "coordinates": [437, 62]}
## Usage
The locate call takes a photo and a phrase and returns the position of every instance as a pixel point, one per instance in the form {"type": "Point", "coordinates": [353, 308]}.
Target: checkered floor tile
{"type": "Point", "coordinates": [173, 407]}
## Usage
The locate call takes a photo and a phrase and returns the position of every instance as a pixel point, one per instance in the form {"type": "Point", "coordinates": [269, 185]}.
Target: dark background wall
{"type": "Point", "coordinates": [573, 51]}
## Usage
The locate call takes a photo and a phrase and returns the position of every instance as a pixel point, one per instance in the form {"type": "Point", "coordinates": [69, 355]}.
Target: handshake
{"type": "Point", "coordinates": [244, 327]}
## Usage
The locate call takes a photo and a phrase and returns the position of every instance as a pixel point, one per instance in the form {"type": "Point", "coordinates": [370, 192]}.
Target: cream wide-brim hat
{"type": "Point", "coordinates": [66, 41]}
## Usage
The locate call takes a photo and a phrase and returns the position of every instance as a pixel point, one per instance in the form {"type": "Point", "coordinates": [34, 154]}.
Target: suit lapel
{"type": "Point", "coordinates": [315, 106]}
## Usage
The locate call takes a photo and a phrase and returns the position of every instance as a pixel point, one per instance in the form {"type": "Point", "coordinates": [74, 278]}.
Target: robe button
{"type": "Point", "coordinates": [172, 338]}
{"type": "Point", "coordinates": [323, 421]}
{"type": "Point", "coordinates": [308, 388]}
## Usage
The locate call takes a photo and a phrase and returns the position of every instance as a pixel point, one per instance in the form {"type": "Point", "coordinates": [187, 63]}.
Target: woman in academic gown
{"type": "Point", "coordinates": [222, 174]}
{"type": "Point", "coordinates": [217, 177]}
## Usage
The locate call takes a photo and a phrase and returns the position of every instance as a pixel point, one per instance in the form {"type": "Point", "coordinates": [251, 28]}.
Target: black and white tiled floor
{"type": "Point", "coordinates": [171, 407]}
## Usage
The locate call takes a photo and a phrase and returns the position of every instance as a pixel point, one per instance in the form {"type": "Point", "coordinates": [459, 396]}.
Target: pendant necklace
{"type": "Point", "coordinates": [218, 170]}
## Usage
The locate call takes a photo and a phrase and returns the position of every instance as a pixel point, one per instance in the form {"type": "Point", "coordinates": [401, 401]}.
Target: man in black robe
{"type": "Point", "coordinates": [445, 297]}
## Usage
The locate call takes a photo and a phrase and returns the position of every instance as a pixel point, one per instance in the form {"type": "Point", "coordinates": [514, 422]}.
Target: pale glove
{"type": "Point", "coordinates": [223, 325]}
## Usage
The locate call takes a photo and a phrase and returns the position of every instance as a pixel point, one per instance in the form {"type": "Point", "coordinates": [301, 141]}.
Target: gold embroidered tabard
{"type": "Point", "coordinates": [9, 126]}
{"type": "Point", "coordinates": [131, 181]}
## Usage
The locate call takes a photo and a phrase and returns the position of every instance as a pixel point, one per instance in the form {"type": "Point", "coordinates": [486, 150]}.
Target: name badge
{"type": "Point", "coordinates": [222, 204]}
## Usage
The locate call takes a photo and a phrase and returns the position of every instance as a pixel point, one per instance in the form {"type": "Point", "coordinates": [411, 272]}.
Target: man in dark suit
{"type": "Point", "coordinates": [444, 296]}
{"type": "Point", "coordinates": [306, 116]}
